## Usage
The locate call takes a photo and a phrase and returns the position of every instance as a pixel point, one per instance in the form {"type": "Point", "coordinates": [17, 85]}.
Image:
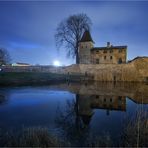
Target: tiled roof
{"type": "Point", "coordinates": [108, 48]}
{"type": "Point", "coordinates": [86, 37]}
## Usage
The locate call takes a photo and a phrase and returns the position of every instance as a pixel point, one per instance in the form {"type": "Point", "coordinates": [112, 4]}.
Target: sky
{"type": "Point", "coordinates": [27, 28]}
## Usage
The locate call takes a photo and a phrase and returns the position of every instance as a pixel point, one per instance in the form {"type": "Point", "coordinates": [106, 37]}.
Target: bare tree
{"type": "Point", "coordinates": [4, 56]}
{"type": "Point", "coordinates": [69, 33]}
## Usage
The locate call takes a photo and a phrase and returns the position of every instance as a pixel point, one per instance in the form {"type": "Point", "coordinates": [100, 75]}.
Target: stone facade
{"type": "Point", "coordinates": [88, 54]}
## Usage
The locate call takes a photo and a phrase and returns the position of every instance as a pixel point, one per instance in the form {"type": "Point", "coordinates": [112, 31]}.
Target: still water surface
{"type": "Point", "coordinates": [68, 108]}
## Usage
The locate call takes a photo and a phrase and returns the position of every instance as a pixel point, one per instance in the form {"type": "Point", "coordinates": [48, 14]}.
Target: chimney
{"type": "Point", "coordinates": [108, 44]}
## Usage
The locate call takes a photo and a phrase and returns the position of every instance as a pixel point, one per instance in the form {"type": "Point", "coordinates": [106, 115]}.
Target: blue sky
{"type": "Point", "coordinates": [27, 28]}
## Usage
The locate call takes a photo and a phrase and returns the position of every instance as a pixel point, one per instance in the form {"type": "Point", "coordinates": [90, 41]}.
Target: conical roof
{"type": "Point", "coordinates": [86, 37]}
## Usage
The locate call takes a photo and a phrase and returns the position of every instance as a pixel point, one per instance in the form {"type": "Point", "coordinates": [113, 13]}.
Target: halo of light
{"type": "Point", "coordinates": [56, 63]}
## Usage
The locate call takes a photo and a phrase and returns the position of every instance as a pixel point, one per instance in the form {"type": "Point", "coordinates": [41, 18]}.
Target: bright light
{"type": "Point", "coordinates": [56, 63]}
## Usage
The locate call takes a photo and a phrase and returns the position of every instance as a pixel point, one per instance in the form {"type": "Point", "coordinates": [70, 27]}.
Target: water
{"type": "Point", "coordinates": [73, 110]}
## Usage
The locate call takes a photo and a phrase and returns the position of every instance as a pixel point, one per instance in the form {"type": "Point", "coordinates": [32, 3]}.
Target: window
{"type": "Point", "coordinates": [86, 46]}
{"type": "Point", "coordinates": [119, 98]}
{"type": "Point", "coordinates": [105, 51]}
{"type": "Point", "coordinates": [97, 61]}
{"type": "Point", "coordinates": [119, 61]}
{"type": "Point", "coordinates": [111, 51]}
{"type": "Point", "coordinates": [120, 50]}
{"type": "Point", "coordinates": [85, 73]}
{"type": "Point", "coordinates": [111, 57]}
{"type": "Point", "coordinates": [97, 51]}
{"type": "Point", "coordinates": [81, 46]}
{"type": "Point", "coordinates": [104, 57]}
{"type": "Point", "coordinates": [97, 96]}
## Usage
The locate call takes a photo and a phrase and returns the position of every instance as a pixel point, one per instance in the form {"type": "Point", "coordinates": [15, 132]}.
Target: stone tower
{"type": "Point", "coordinates": [85, 45]}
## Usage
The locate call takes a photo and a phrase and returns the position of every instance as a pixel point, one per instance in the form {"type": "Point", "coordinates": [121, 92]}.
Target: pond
{"type": "Point", "coordinates": [72, 111]}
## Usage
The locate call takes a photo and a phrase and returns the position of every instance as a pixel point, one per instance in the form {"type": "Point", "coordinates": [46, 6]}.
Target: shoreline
{"type": "Point", "coordinates": [134, 71]}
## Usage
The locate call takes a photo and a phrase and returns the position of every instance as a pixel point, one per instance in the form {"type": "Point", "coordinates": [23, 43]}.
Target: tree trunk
{"type": "Point", "coordinates": [77, 58]}
{"type": "Point", "coordinates": [77, 53]}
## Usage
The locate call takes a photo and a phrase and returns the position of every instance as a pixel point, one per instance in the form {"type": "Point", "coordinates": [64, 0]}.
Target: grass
{"type": "Point", "coordinates": [29, 137]}
{"type": "Point", "coordinates": [136, 131]}
{"type": "Point", "coordinates": [135, 134]}
{"type": "Point", "coordinates": [30, 78]}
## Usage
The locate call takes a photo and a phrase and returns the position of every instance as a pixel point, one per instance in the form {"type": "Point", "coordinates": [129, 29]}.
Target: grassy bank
{"type": "Point", "coordinates": [135, 134]}
{"type": "Point", "coordinates": [31, 78]}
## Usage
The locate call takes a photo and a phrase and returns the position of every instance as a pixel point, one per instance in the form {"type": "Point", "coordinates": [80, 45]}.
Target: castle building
{"type": "Point", "coordinates": [88, 54]}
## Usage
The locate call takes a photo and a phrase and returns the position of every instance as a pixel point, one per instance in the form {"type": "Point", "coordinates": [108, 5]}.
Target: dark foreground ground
{"type": "Point", "coordinates": [135, 134]}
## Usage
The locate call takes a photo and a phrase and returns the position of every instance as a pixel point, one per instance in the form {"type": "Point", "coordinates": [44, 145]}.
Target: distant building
{"type": "Point", "coordinates": [21, 64]}
{"type": "Point", "coordinates": [88, 54]}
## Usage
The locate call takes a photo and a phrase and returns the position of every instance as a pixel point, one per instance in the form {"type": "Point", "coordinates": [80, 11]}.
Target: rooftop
{"type": "Point", "coordinates": [86, 37]}
{"type": "Point", "coordinates": [108, 48]}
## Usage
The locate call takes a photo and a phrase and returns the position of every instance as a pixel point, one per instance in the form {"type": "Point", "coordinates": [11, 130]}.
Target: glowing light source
{"type": "Point", "coordinates": [56, 63]}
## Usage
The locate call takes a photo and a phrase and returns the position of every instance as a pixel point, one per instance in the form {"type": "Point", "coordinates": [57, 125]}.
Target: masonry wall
{"type": "Point", "coordinates": [84, 52]}
{"type": "Point", "coordinates": [136, 70]}
{"type": "Point", "coordinates": [108, 56]}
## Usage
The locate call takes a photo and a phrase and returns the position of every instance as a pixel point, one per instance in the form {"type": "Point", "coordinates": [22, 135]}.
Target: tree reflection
{"type": "Point", "coordinates": [74, 127]}
{"type": "Point", "coordinates": [2, 98]}
{"type": "Point", "coordinates": [74, 122]}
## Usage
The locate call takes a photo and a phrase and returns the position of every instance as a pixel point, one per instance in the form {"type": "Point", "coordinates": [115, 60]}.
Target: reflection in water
{"type": "Point", "coordinates": [71, 126]}
{"type": "Point", "coordinates": [137, 92]}
{"type": "Point", "coordinates": [81, 117]}
{"type": "Point", "coordinates": [75, 121]}
{"type": "Point", "coordinates": [2, 98]}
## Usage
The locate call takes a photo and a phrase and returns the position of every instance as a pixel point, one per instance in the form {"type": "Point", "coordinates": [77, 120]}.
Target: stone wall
{"type": "Point", "coordinates": [136, 70]}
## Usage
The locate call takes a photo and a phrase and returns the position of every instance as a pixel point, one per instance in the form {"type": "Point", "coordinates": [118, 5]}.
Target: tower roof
{"type": "Point", "coordinates": [86, 37]}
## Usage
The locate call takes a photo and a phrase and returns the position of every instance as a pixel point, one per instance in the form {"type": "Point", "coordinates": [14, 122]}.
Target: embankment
{"type": "Point", "coordinates": [134, 71]}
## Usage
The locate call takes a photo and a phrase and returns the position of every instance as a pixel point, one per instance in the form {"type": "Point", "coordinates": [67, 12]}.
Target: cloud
{"type": "Point", "coordinates": [29, 26]}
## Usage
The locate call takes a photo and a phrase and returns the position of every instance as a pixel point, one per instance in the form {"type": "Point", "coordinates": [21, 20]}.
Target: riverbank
{"type": "Point", "coordinates": [38, 78]}
{"type": "Point", "coordinates": [133, 71]}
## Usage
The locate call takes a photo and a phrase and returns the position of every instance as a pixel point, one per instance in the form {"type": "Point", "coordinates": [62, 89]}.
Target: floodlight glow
{"type": "Point", "coordinates": [56, 63]}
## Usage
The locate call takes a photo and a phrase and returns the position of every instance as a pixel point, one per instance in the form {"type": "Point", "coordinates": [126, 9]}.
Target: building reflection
{"type": "Point", "coordinates": [99, 96]}
{"type": "Point", "coordinates": [87, 103]}
{"type": "Point", "coordinates": [2, 98]}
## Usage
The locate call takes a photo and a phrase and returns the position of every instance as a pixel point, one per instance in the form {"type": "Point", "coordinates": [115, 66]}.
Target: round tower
{"type": "Point", "coordinates": [85, 45]}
